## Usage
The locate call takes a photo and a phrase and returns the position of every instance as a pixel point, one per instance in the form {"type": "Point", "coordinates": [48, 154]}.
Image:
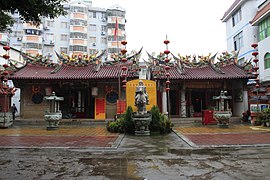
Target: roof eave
{"type": "Point", "coordinates": [257, 21]}
{"type": "Point", "coordinates": [228, 13]}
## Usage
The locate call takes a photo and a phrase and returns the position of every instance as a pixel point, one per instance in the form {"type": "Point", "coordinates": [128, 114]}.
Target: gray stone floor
{"type": "Point", "coordinates": [151, 157]}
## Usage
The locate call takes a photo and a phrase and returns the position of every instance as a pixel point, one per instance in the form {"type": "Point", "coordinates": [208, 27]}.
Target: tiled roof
{"type": "Point", "coordinates": [230, 10]}
{"type": "Point", "coordinates": [31, 71]}
{"type": "Point", "coordinates": [260, 14]}
{"type": "Point", "coordinates": [230, 71]}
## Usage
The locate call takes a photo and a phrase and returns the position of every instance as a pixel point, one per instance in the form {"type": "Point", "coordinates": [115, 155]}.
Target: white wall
{"type": "Point", "coordinates": [263, 48]}
{"type": "Point", "coordinates": [249, 10]}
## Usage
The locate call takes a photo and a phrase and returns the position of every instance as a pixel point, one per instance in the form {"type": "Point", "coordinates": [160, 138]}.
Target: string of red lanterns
{"type": "Point", "coordinates": [167, 67]}
{"type": "Point", "coordinates": [124, 67]}
{"type": "Point", "coordinates": [256, 67]}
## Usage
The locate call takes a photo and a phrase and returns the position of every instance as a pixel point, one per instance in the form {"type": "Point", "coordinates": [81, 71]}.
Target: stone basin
{"type": "Point", "coordinates": [222, 117]}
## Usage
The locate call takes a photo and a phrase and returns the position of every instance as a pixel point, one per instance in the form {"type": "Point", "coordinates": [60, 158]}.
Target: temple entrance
{"type": "Point", "coordinates": [174, 103]}
{"type": "Point", "coordinates": [198, 102]}
{"type": "Point", "coordinates": [77, 104]}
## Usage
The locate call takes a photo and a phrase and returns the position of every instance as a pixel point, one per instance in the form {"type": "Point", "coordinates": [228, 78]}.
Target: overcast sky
{"type": "Point", "coordinates": [192, 26]}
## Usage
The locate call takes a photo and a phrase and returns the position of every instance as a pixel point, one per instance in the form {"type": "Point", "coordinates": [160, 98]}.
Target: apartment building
{"type": "Point", "coordinates": [240, 33]}
{"type": "Point", "coordinates": [262, 21]}
{"type": "Point", "coordinates": [84, 30]}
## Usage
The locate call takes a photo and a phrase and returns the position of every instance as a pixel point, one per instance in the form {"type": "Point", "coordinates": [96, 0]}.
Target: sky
{"type": "Point", "coordinates": [191, 26]}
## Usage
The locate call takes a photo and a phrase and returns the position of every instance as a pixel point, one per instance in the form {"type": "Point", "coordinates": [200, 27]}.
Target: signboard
{"type": "Point", "coordinates": [100, 106]}
{"type": "Point", "coordinates": [150, 90]}
{"type": "Point", "coordinates": [256, 108]}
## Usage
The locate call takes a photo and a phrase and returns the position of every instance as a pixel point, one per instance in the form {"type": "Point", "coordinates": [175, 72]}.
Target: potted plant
{"type": "Point", "coordinates": [264, 117]}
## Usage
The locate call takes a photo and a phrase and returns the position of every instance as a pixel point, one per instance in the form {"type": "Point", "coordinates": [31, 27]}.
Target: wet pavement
{"type": "Point", "coordinates": [90, 152]}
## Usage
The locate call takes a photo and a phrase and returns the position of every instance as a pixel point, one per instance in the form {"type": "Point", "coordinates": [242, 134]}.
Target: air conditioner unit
{"type": "Point", "coordinates": [19, 38]}
{"type": "Point", "coordinates": [103, 19]}
{"type": "Point", "coordinates": [46, 28]}
{"type": "Point", "coordinates": [49, 55]}
{"type": "Point", "coordinates": [51, 42]}
{"type": "Point", "coordinates": [94, 44]}
{"type": "Point", "coordinates": [102, 33]}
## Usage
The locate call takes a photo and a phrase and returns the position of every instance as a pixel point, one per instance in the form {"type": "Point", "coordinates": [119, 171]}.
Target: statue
{"type": "Point", "coordinates": [141, 98]}
{"type": "Point", "coordinates": [141, 118]}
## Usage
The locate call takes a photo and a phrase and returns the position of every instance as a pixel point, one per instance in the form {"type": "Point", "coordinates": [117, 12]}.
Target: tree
{"type": "Point", "coordinates": [29, 11]}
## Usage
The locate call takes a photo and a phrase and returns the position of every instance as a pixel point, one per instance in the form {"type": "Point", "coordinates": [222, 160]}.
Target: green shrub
{"type": "Point", "coordinates": [264, 116]}
{"type": "Point", "coordinates": [160, 123]}
{"type": "Point", "coordinates": [128, 123]}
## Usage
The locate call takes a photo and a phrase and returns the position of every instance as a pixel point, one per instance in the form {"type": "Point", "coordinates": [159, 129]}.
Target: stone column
{"type": "Point", "coordinates": [164, 102]}
{"type": "Point", "coordinates": [183, 102]}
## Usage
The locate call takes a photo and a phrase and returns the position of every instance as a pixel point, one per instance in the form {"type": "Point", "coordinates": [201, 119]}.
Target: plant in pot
{"type": "Point", "coordinates": [264, 117]}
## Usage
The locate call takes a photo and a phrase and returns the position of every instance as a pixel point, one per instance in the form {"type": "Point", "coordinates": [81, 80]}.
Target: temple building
{"type": "Point", "coordinates": [96, 90]}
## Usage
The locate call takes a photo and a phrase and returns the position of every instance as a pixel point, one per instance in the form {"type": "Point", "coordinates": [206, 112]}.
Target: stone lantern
{"type": "Point", "coordinates": [53, 114]}
{"type": "Point", "coordinates": [223, 114]}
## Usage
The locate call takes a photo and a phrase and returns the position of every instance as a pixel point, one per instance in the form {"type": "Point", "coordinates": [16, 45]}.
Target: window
{"type": "Point", "coordinates": [32, 45]}
{"type": "Point", "coordinates": [92, 27]}
{"type": "Point", "coordinates": [78, 35]}
{"type": "Point", "coordinates": [78, 9]}
{"type": "Point", "coordinates": [103, 28]}
{"type": "Point", "coordinates": [264, 29]}
{"type": "Point", "coordinates": [267, 61]}
{"type": "Point", "coordinates": [50, 23]}
{"type": "Point", "coordinates": [237, 17]}
{"type": "Point", "coordinates": [64, 50]}
{"type": "Point", "coordinates": [238, 41]}
{"type": "Point", "coordinates": [78, 22]}
{"type": "Point", "coordinates": [64, 25]}
{"type": "Point", "coordinates": [92, 51]}
{"type": "Point", "coordinates": [64, 37]}
{"type": "Point", "coordinates": [78, 48]}
{"type": "Point", "coordinates": [103, 40]}
{"type": "Point", "coordinates": [49, 37]}
{"type": "Point", "coordinates": [92, 39]}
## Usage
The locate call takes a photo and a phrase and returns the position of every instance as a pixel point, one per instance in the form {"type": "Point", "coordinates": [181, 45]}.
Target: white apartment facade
{"type": "Point", "coordinates": [262, 21]}
{"type": "Point", "coordinates": [84, 30]}
{"type": "Point", "coordinates": [240, 34]}
{"type": "Point", "coordinates": [248, 22]}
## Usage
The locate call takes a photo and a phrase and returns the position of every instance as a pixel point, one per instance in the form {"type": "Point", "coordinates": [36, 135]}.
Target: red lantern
{"type": "Point", "coordinates": [124, 75]}
{"type": "Point", "coordinates": [257, 85]}
{"type": "Point", "coordinates": [124, 68]}
{"type": "Point", "coordinates": [168, 82]}
{"type": "Point", "coordinates": [167, 68]}
{"type": "Point", "coordinates": [124, 86]}
{"type": "Point", "coordinates": [255, 53]}
{"type": "Point", "coordinates": [124, 81]}
{"type": "Point", "coordinates": [167, 89]}
{"type": "Point", "coordinates": [124, 60]}
{"type": "Point", "coordinates": [168, 74]}
{"type": "Point", "coordinates": [166, 41]}
{"type": "Point", "coordinates": [256, 68]}
{"type": "Point", "coordinates": [167, 51]}
{"type": "Point", "coordinates": [167, 60]}
{"type": "Point", "coordinates": [124, 42]}
{"type": "Point", "coordinates": [123, 51]}
{"type": "Point", "coordinates": [5, 65]}
{"type": "Point", "coordinates": [255, 60]}
{"type": "Point", "coordinates": [7, 48]}
{"type": "Point", "coordinates": [6, 56]}
{"type": "Point", "coordinates": [254, 45]}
